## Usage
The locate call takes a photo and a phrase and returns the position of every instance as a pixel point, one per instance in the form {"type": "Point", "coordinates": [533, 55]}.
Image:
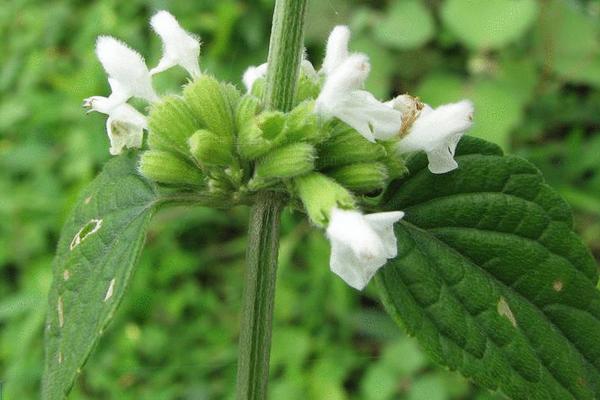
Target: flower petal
{"type": "Point", "coordinates": [126, 69]}
{"type": "Point", "coordinates": [252, 74]}
{"type": "Point", "coordinates": [337, 49]}
{"type": "Point", "coordinates": [383, 225]}
{"type": "Point", "coordinates": [308, 69]}
{"type": "Point", "coordinates": [179, 46]}
{"type": "Point", "coordinates": [340, 97]}
{"type": "Point", "coordinates": [349, 76]}
{"type": "Point", "coordinates": [370, 117]}
{"type": "Point", "coordinates": [125, 126]}
{"type": "Point", "coordinates": [437, 132]}
{"type": "Point", "coordinates": [360, 244]}
{"type": "Point", "coordinates": [99, 104]}
{"type": "Point", "coordinates": [355, 272]}
{"type": "Point", "coordinates": [441, 159]}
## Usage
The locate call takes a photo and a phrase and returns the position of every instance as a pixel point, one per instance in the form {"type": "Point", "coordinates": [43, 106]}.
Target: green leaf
{"type": "Point", "coordinates": [97, 252]}
{"type": "Point", "coordinates": [406, 24]}
{"type": "Point", "coordinates": [489, 24]}
{"type": "Point", "coordinates": [491, 279]}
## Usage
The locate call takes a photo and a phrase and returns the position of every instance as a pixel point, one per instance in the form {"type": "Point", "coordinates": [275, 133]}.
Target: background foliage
{"type": "Point", "coordinates": [531, 67]}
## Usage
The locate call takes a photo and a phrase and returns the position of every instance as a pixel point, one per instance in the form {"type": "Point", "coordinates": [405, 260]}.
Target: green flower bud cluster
{"type": "Point", "coordinates": [215, 140]}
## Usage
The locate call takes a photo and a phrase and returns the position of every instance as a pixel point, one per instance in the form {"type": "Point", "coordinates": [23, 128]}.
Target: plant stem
{"type": "Point", "coordinates": [285, 54]}
{"type": "Point", "coordinates": [259, 296]}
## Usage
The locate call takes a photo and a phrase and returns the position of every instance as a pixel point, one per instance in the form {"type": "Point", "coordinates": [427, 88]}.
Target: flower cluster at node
{"type": "Point", "coordinates": [128, 76]}
{"type": "Point", "coordinates": [334, 152]}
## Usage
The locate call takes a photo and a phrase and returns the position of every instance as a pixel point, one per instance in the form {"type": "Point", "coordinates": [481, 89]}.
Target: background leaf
{"type": "Point", "coordinates": [96, 255]}
{"type": "Point", "coordinates": [491, 279]}
{"type": "Point", "coordinates": [569, 41]}
{"type": "Point", "coordinates": [405, 25]}
{"type": "Point", "coordinates": [488, 24]}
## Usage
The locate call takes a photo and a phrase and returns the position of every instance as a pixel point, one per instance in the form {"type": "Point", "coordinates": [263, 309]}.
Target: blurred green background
{"type": "Point", "coordinates": [531, 67]}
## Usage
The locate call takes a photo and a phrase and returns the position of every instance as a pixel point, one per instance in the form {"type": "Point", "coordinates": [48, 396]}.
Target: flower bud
{"type": "Point", "coordinates": [308, 88]}
{"type": "Point", "coordinates": [348, 147]}
{"type": "Point", "coordinates": [394, 162]}
{"type": "Point", "coordinates": [232, 94]}
{"type": "Point", "coordinates": [302, 125]}
{"type": "Point", "coordinates": [211, 150]}
{"type": "Point", "coordinates": [256, 135]}
{"type": "Point", "coordinates": [218, 186]}
{"type": "Point", "coordinates": [251, 144]}
{"type": "Point", "coordinates": [170, 124]}
{"type": "Point", "coordinates": [167, 167]}
{"type": "Point", "coordinates": [320, 195]}
{"type": "Point", "coordinates": [282, 163]}
{"type": "Point", "coordinates": [224, 180]}
{"type": "Point", "coordinates": [361, 178]}
{"type": "Point", "coordinates": [271, 123]}
{"type": "Point", "coordinates": [258, 87]}
{"type": "Point", "coordinates": [211, 103]}
{"type": "Point", "coordinates": [246, 110]}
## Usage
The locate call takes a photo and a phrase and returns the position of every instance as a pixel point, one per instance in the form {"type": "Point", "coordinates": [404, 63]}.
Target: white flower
{"type": "Point", "coordinates": [337, 49]}
{"type": "Point", "coordinates": [308, 69]}
{"type": "Point", "coordinates": [342, 98]}
{"type": "Point", "coordinates": [437, 132]}
{"type": "Point", "coordinates": [125, 125]}
{"type": "Point", "coordinates": [179, 46]}
{"type": "Point", "coordinates": [254, 73]}
{"type": "Point", "coordinates": [127, 72]}
{"type": "Point", "coordinates": [361, 244]}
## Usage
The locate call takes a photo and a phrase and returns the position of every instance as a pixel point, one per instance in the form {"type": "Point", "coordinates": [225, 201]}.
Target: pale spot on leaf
{"type": "Point", "coordinates": [88, 229]}
{"type": "Point", "coordinates": [60, 357]}
{"type": "Point", "coordinates": [109, 291]}
{"type": "Point", "coordinates": [59, 310]}
{"type": "Point", "coordinates": [505, 311]}
{"type": "Point", "coordinates": [87, 200]}
{"type": "Point", "coordinates": [66, 274]}
{"type": "Point", "coordinates": [557, 286]}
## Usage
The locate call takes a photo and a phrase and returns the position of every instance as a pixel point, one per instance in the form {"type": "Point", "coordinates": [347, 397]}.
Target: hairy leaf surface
{"type": "Point", "coordinates": [97, 252]}
{"type": "Point", "coordinates": [491, 279]}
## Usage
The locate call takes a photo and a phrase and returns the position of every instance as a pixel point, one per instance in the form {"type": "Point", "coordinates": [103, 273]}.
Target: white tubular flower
{"type": "Point", "coordinates": [179, 46]}
{"type": "Point", "coordinates": [125, 125]}
{"type": "Point", "coordinates": [254, 73]}
{"type": "Point", "coordinates": [127, 72]}
{"type": "Point", "coordinates": [341, 97]}
{"type": "Point", "coordinates": [361, 244]}
{"type": "Point", "coordinates": [337, 49]}
{"type": "Point", "coordinates": [437, 132]}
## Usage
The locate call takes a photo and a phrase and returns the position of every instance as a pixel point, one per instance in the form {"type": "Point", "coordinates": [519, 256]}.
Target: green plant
{"type": "Point", "coordinates": [504, 309]}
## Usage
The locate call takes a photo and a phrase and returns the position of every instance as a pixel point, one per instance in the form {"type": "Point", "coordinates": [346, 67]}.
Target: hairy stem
{"type": "Point", "coordinates": [285, 54]}
{"type": "Point", "coordinates": [259, 295]}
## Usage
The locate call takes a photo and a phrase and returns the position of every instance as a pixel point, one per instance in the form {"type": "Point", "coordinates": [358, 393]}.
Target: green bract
{"type": "Point", "coordinates": [216, 141]}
